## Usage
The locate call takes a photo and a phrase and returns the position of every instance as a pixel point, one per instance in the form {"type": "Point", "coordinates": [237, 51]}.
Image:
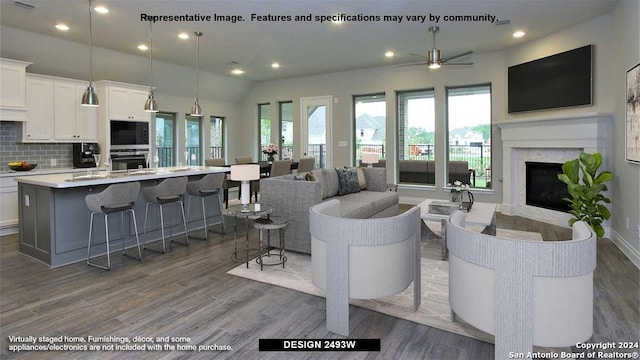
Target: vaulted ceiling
{"type": "Point", "coordinates": [248, 34]}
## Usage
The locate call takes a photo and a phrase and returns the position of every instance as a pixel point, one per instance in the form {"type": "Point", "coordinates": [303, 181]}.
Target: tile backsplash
{"type": "Point", "coordinates": [11, 149]}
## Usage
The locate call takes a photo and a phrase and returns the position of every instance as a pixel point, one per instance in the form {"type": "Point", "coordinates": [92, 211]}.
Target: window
{"type": "Point", "coordinates": [264, 122]}
{"type": "Point", "coordinates": [192, 133]}
{"type": "Point", "coordinates": [216, 137]}
{"type": "Point", "coordinates": [370, 122]}
{"type": "Point", "coordinates": [165, 139]}
{"type": "Point", "coordinates": [286, 129]}
{"type": "Point", "coordinates": [416, 130]}
{"type": "Point", "coordinates": [315, 123]}
{"type": "Point", "coordinates": [469, 131]}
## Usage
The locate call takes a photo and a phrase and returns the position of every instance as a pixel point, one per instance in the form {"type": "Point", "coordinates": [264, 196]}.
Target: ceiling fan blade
{"type": "Point", "coordinates": [420, 56]}
{"type": "Point", "coordinates": [448, 63]}
{"type": "Point", "coordinates": [411, 64]}
{"type": "Point", "coordinates": [459, 56]}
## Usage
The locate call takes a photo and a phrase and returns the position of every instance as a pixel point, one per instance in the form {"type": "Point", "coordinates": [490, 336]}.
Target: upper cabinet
{"type": "Point", "coordinates": [40, 114]}
{"type": "Point", "coordinates": [54, 111]}
{"type": "Point", "coordinates": [74, 122]}
{"type": "Point", "coordinates": [123, 101]}
{"type": "Point", "coordinates": [13, 100]}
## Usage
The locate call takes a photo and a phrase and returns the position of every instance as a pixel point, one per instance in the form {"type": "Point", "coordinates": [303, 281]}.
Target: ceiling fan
{"type": "Point", "coordinates": [433, 59]}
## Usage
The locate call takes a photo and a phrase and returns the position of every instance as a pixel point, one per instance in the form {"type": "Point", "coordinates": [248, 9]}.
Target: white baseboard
{"type": "Point", "coordinates": [8, 230]}
{"type": "Point", "coordinates": [626, 249]}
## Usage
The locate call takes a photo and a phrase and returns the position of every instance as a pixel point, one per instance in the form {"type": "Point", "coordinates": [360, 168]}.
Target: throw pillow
{"type": "Point", "coordinates": [299, 177]}
{"type": "Point", "coordinates": [310, 176]}
{"type": "Point", "coordinates": [347, 181]}
{"type": "Point", "coordinates": [362, 181]}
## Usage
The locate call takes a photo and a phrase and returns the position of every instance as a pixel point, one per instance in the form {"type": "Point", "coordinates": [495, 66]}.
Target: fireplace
{"type": "Point", "coordinates": [547, 140]}
{"type": "Point", "coordinates": [543, 189]}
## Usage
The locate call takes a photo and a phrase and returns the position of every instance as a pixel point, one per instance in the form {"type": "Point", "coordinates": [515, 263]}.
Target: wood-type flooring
{"type": "Point", "coordinates": [187, 293]}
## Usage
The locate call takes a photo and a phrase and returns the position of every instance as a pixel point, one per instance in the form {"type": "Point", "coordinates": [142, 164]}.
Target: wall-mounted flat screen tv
{"type": "Point", "coordinates": [556, 81]}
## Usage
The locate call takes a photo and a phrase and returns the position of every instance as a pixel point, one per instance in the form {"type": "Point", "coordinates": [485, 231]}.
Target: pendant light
{"type": "Point", "coordinates": [196, 110]}
{"type": "Point", "coordinates": [151, 105]}
{"type": "Point", "coordinates": [89, 98]}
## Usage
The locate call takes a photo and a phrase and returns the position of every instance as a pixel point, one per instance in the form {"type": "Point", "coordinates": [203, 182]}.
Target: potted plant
{"type": "Point", "coordinates": [585, 188]}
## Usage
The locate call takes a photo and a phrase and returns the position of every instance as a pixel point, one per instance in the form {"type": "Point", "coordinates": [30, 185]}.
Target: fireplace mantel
{"type": "Point", "coordinates": [551, 139]}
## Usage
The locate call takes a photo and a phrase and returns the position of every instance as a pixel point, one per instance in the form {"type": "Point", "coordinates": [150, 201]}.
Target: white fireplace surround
{"type": "Point", "coordinates": [553, 140]}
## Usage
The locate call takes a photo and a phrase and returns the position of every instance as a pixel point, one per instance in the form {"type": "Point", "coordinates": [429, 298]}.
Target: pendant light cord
{"type": "Point", "coordinates": [198, 34]}
{"type": "Point", "coordinates": [150, 57]}
{"type": "Point", "coordinates": [90, 46]}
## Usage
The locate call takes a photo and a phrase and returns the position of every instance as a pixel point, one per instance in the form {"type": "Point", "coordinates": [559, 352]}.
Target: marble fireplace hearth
{"type": "Point", "coordinates": [552, 140]}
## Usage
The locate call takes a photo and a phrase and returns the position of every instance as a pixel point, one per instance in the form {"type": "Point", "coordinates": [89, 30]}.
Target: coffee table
{"type": "Point", "coordinates": [481, 214]}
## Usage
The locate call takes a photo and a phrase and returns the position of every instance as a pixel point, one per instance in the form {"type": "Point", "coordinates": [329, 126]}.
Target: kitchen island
{"type": "Point", "coordinates": [54, 218]}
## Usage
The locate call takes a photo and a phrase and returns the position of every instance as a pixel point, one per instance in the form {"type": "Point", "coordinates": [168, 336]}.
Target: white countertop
{"type": "Point", "coordinates": [11, 173]}
{"type": "Point", "coordinates": [81, 178]}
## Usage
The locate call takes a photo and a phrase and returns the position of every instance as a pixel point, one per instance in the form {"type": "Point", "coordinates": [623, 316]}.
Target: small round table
{"type": "Point", "coordinates": [246, 212]}
{"type": "Point", "coordinates": [265, 225]}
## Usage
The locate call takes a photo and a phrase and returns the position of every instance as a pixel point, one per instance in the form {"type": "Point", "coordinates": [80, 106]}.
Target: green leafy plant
{"type": "Point", "coordinates": [585, 188]}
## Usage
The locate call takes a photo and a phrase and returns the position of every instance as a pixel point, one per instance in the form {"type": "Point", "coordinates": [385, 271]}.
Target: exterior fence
{"type": "Point", "coordinates": [477, 155]}
{"type": "Point", "coordinates": [166, 155]}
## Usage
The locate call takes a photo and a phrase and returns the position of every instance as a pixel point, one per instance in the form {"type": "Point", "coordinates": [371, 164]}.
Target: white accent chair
{"type": "Point", "coordinates": [362, 258]}
{"type": "Point", "coordinates": [526, 293]}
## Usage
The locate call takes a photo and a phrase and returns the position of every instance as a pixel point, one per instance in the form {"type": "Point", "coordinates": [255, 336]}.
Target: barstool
{"type": "Point", "coordinates": [209, 185]}
{"type": "Point", "coordinates": [168, 191]}
{"type": "Point", "coordinates": [115, 198]}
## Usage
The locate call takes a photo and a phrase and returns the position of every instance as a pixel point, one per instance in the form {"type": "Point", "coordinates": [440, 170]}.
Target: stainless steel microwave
{"type": "Point", "coordinates": [129, 134]}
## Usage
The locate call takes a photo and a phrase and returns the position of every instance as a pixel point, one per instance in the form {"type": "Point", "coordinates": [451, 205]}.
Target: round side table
{"type": "Point", "coordinates": [247, 212]}
{"type": "Point", "coordinates": [265, 226]}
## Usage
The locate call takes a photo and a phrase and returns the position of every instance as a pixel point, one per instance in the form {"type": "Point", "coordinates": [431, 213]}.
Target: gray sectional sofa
{"type": "Point", "coordinates": [293, 198]}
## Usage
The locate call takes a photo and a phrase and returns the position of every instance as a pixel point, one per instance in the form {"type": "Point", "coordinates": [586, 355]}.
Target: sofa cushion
{"type": "Point", "coordinates": [329, 183]}
{"type": "Point", "coordinates": [347, 181]}
{"type": "Point", "coordinates": [362, 180]}
{"type": "Point", "coordinates": [378, 200]}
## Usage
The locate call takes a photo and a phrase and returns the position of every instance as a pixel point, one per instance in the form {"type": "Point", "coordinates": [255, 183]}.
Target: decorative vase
{"type": "Point", "coordinates": [456, 196]}
{"type": "Point", "coordinates": [270, 158]}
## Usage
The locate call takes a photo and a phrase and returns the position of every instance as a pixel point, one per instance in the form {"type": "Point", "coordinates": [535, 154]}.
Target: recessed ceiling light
{"type": "Point", "coordinates": [518, 34]}
{"type": "Point", "coordinates": [143, 47]}
{"type": "Point", "coordinates": [62, 27]}
{"type": "Point", "coordinates": [101, 9]}
{"type": "Point", "coordinates": [275, 65]}
{"type": "Point", "coordinates": [183, 36]}
{"type": "Point", "coordinates": [389, 54]}
{"type": "Point", "coordinates": [237, 71]}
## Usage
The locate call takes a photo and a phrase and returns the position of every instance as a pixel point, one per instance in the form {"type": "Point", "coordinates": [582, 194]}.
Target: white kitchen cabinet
{"type": "Point", "coordinates": [9, 200]}
{"type": "Point", "coordinates": [127, 103]}
{"type": "Point", "coordinates": [13, 99]}
{"type": "Point", "coordinates": [40, 104]}
{"type": "Point", "coordinates": [73, 122]}
{"type": "Point", "coordinates": [55, 113]}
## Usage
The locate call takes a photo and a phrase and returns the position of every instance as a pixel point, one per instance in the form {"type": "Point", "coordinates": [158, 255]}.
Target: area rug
{"type": "Point", "coordinates": [434, 311]}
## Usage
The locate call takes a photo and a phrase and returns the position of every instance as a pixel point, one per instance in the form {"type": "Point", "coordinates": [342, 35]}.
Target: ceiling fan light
{"type": "Point", "coordinates": [151, 105]}
{"type": "Point", "coordinates": [434, 66]}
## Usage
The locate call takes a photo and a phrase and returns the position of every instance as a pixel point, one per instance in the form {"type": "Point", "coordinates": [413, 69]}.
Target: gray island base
{"type": "Point", "coordinates": [54, 218]}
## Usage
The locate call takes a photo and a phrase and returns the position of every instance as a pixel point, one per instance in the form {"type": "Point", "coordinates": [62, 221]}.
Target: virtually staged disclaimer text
{"type": "Point", "coordinates": [431, 18]}
{"type": "Point", "coordinates": [109, 343]}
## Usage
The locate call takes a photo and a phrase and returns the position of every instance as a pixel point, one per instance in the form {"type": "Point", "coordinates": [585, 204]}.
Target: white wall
{"type": "Point", "coordinates": [487, 68]}
{"type": "Point", "coordinates": [626, 50]}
